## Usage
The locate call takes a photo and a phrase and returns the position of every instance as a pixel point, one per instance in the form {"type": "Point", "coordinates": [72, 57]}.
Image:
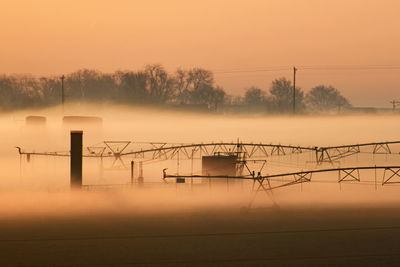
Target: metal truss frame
{"type": "Point", "coordinates": [348, 175]}
{"type": "Point", "coordinates": [384, 147]}
{"type": "Point", "coordinates": [394, 173]}
{"type": "Point", "coordinates": [164, 151]}
{"type": "Point", "coordinates": [330, 154]}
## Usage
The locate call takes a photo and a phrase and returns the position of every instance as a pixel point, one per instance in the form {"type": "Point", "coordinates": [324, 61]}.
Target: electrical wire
{"type": "Point", "coordinates": [311, 67]}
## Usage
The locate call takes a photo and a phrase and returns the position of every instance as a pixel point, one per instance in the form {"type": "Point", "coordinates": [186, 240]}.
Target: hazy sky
{"type": "Point", "coordinates": [53, 37]}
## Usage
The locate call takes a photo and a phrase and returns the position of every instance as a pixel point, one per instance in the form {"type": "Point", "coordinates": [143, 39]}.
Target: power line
{"type": "Point", "coordinates": [351, 67]}
{"type": "Point", "coordinates": [313, 67]}
{"type": "Point", "coordinates": [249, 70]}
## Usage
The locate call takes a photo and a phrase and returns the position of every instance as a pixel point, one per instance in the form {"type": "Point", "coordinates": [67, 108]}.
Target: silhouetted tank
{"type": "Point", "coordinates": [35, 121]}
{"type": "Point", "coordinates": [219, 165]}
{"type": "Point", "coordinates": [83, 121]}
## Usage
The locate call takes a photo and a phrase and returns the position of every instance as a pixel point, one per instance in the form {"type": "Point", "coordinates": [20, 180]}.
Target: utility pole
{"type": "Point", "coordinates": [294, 90]}
{"type": "Point", "coordinates": [62, 91]}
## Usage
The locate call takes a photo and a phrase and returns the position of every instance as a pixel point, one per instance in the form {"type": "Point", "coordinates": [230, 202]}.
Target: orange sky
{"type": "Point", "coordinates": [53, 37]}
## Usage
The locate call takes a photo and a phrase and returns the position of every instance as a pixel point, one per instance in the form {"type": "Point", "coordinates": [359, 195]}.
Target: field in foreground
{"type": "Point", "coordinates": [300, 236]}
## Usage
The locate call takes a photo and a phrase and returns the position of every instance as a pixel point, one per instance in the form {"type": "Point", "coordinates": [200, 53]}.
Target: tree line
{"type": "Point", "coordinates": [153, 85]}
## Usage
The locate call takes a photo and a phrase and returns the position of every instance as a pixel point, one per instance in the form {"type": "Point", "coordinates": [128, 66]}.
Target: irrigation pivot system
{"type": "Point", "coordinates": [344, 175]}
{"type": "Point", "coordinates": [265, 182]}
{"type": "Point", "coordinates": [241, 153]}
{"type": "Point", "coordinates": [166, 151]}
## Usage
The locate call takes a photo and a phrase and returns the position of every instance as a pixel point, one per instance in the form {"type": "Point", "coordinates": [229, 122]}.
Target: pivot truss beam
{"type": "Point", "coordinates": [190, 151]}
{"type": "Point", "coordinates": [333, 153]}
{"type": "Point", "coordinates": [164, 151]}
{"type": "Point", "coordinates": [264, 182]}
{"type": "Point", "coordinates": [344, 174]}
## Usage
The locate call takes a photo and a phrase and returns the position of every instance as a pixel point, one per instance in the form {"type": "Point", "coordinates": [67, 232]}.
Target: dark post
{"type": "Point", "coordinates": [132, 165]}
{"type": "Point", "coordinates": [375, 180]}
{"type": "Point", "coordinates": [76, 159]}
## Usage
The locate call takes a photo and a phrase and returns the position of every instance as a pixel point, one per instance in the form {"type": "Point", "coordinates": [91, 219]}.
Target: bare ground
{"type": "Point", "coordinates": [292, 237]}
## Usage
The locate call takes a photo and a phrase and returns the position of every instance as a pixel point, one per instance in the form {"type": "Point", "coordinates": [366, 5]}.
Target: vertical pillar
{"type": "Point", "coordinates": [76, 159]}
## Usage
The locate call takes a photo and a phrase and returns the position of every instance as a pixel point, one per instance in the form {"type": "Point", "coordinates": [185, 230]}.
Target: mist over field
{"type": "Point", "coordinates": [46, 178]}
{"type": "Point", "coordinates": [192, 224]}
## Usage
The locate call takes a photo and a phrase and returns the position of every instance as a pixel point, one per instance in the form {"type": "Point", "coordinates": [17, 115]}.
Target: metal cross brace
{"type": "Point", "coordinates": [349, 174]}
{"type": "Point", "coordinates": [394, 174]}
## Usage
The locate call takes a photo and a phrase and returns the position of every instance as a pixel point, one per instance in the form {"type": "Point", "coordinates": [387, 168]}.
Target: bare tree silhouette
{"type": "Point", "coordinates": [282, 96]}
{"type": "Point", "coordinates": [325, 98]}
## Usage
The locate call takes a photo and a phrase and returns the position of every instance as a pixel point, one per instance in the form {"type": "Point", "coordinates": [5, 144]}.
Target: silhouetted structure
{"type": "Point", "coordinates": [218, 165]}
{"type": "Point", "coordinates": [84, 120]}
{"type": "Point", "coordinates": [76, 159]}
{"type": "Point", "coordinates": [35, 121]}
